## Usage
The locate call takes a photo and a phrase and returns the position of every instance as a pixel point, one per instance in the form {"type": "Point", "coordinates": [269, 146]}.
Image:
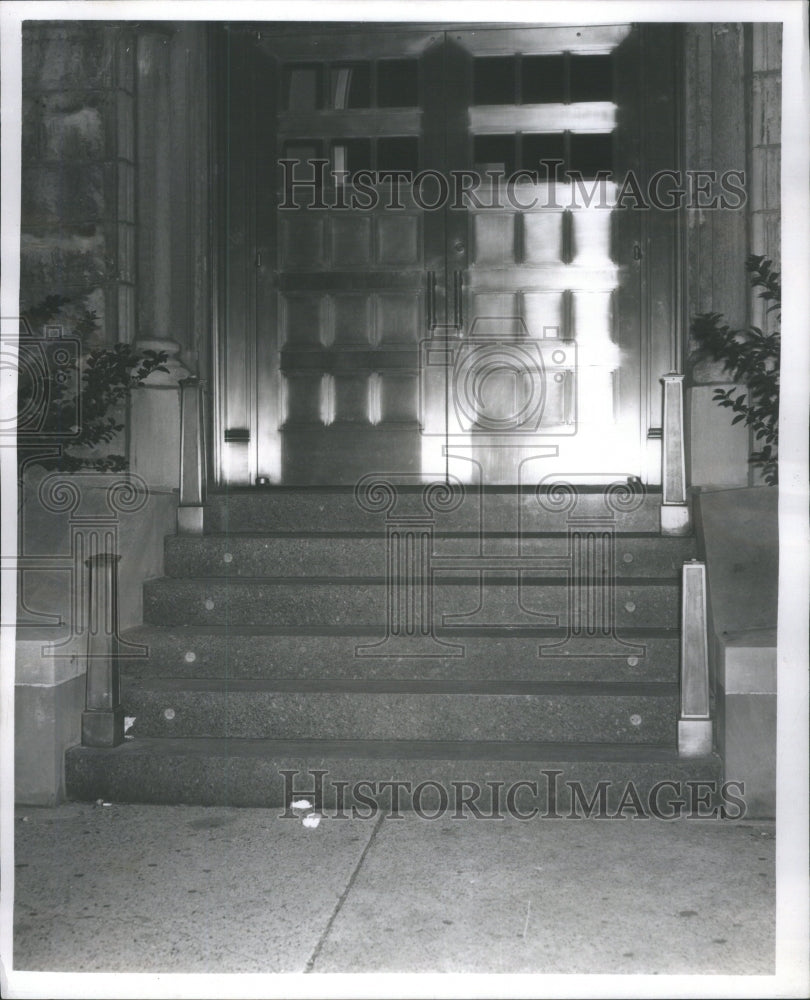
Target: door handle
{"type": "Point", "coordinates": [431, 300]}
{"type": "Point", "coordinates": [458, 299]}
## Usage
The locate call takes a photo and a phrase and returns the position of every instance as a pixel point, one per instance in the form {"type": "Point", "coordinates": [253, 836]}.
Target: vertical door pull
{"type": "Point", "coordinates": [458, 299]}
{"type": "Point", "coordinates": [431, 300]}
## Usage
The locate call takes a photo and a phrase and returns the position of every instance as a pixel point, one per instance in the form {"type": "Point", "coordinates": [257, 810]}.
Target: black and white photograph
{"type": "Point", "coordinates": [405, 542]}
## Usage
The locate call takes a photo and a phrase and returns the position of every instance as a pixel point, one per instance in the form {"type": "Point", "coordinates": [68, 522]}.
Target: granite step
{"type": "Point", "coordinates": [355, 553]}
{"type": "Point", "coordinates": [265, 649]}
{"type": "Point", "coordinates": [468, 654]}
{"type": "Point", "coordinates": [238, 772]}
{"type": "Point", "coordinates": [484, 511]}
{"type": "Point", "coordinates": [409, 710]}
{"type": "Point", "coordinates": [457, 598]}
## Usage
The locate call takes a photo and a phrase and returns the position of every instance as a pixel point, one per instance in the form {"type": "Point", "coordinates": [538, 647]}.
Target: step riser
{"type": "Point", "coordinates": [306, 604]}
{"type": "Point", "coordinates": [185, 653]}
{"type": "Point", "coordinates": [256, 556]}
{"type": "Point", "coordinates": [490, 512]}
{"type": "Point", "coordinates": [376, 716]}
{"type": "Point", "coordinates": [234, 780]}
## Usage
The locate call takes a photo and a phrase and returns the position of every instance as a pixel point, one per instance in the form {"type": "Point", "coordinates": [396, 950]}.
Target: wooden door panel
{"type": "Point", "coordinates": [302, 320]}
{"type": "Point", "coordinates": [593, 116]}
{"type": "Point", "coordinates": [303, 399]}
{"type": "Point", "coordinates": [351, 321]}
{"type": "Point", "coordinates": [350, 239]}
{"type": "Point", "coordinates": [548, 40]}
{"type": "Point", "coordinates": [493, 239]}
{"type": "Point", "coordinates": [398, 320]}
{"type": "Point", "coordinates": [541, 237]}
{"type": "Point", "coordinates": [545, 314]}
{"type": "Point", "coordinates": [399, 239]}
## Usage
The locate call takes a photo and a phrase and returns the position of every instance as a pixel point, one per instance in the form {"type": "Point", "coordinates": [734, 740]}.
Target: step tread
{"type": "Point", "coordinates": [377, 533]}
{"type": "Point", "coordinates": [502, 656]}
{"type": "Point", "coordinates": [139, 632]}
{"type": "Point", "coordinates": [295, 508]}
{"type": "Point", "coordinates": [218, 493]}
{"type": "Point", "coordinates": [398, 750]}
{"type": "Point", "coordinates": [415, 687]}
{"type": "Point", "coordinates": [442, 574]}
{"type": "Point", "coordinates": [251, 772]}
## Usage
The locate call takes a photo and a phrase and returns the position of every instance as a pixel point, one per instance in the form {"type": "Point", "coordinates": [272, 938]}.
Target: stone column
{"type": "Point", "coordinates": [764, 198]}
{"type": "Point", "coordinates": [154, 155]}
{"type": "Point", "coordinates": [168, 263]}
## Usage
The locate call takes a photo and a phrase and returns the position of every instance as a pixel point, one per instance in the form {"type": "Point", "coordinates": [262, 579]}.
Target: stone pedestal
{"type": "Point", "coordinates": [695, 736]}
{"type": "Point", "coordinates": [154, 426]}
{"type": "Point", "coordinates": [103, 717]}
{"type": "Point", "coordinates": [746, 699]}
{"type": "Point", "coordinates": [193, 458]}
{"type": "Point", "coordinates": [61, 519]}
{"type": "Point", "coordinates": [675, 518]}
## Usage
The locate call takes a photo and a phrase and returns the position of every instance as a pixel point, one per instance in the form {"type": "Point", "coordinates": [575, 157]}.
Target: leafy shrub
{"type": "Point", "coordinates": [100, 387]}
{"type": "Point", "coordinates": [752, 357]}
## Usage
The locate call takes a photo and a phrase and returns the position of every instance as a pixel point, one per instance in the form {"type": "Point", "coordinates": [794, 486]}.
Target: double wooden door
{"type": "Point", "coordinates": [422, 270]}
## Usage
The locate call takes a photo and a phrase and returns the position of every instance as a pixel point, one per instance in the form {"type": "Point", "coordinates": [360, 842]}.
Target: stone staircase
{"type": "Point", "coordinates": [403, 634]}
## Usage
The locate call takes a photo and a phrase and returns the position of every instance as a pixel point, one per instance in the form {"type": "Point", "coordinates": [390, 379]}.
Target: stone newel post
{"type": "Point", "coordinates": [103, 717]}
{"type": "Point", "coordinates": [674, 506]}
{"type": "Point", "coordinates": [694, 723]}
{"type": "Point", "coordinates": [192, 458]}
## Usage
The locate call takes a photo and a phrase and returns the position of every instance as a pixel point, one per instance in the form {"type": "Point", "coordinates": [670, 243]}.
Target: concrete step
{"type": "Point", "coordinates": [355, 554]}
{"type": "Point", "coordinates": [458, 598]}
{"type": "Point", "coordinates": [266, 646]}
{"type": "Point", "coordinates": [415, 710]}
{"type": "Point", "coordinates": [502, 655]}
{"type": "Point", "coordinates": [504, 510]}
{"type": "Point", "coordinates": [249, 773]}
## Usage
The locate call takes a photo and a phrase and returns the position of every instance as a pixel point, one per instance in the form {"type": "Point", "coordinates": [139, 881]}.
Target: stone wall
{"type": "Point", "coordinates": [732, 75]}
{"type": "Point", "coordinates": [115, 177]}
{"type": "Point", "coordinates": [78, 170]}
{"type": "Point", "coordinates": [765, 81]}
{"type": "Point", "coordinates": [115, 193]}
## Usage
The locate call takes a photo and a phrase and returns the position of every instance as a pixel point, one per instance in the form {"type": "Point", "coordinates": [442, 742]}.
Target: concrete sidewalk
{"type": "Point", "coordinates": [192, 889]}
